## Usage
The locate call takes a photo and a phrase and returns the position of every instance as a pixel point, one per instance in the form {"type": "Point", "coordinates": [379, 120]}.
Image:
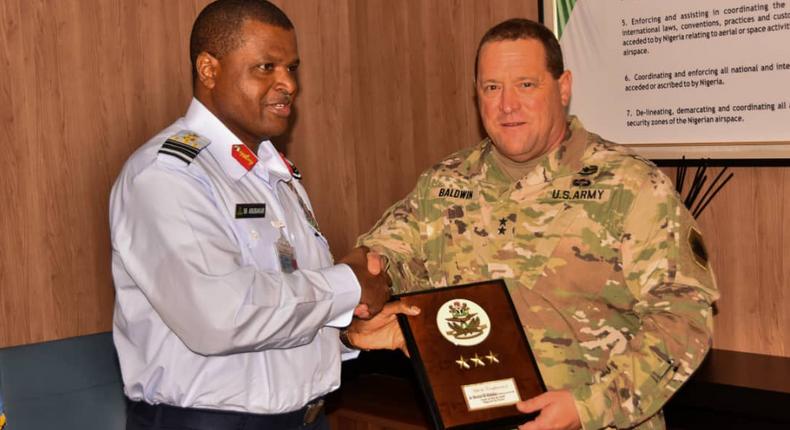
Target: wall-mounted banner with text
{"type": "Point", "coordinates": [672, 78]}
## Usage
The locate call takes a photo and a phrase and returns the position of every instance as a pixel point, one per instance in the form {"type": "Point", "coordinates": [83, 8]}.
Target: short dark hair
{"type": "Point", "coordinates": [217, 29]}
{"type": "Point", "coordinates": [520, 28]}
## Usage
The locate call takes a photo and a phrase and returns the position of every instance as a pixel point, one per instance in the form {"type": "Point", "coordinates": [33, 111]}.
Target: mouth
{"type": "Point", "coordinates": [281, 108]}
{"type": "Point", "coordinates": [512, 124]}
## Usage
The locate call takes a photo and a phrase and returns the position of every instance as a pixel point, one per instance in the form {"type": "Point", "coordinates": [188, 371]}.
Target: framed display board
{"type": "Point", "coordinates": [471, 356]}
{"type": "Point", "coordinates": [678, 78]}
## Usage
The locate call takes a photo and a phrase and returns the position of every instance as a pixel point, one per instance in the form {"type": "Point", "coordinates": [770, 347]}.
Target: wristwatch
{"type": "Point", "coordinates": [345, 340]}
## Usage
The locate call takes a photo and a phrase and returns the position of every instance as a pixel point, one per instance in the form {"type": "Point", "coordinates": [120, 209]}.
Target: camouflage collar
{"type": "Point", "coordinates": [567, 158]}
{"type": "Point", "coordinates": [472, 162]}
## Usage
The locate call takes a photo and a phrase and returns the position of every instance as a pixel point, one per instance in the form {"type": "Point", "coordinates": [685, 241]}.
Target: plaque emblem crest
{"type": "Point", "coordinates": [463, 322]}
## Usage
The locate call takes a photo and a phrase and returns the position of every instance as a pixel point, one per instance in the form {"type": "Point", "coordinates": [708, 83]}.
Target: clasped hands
{"type": "Point", "coordinates": [368, 267]}
{"type": "Point", "coordinates": [375, 325]}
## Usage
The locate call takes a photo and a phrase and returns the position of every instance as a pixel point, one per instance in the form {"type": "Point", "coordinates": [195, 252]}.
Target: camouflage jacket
{"type": "Point", "coordinates": [604, 263]}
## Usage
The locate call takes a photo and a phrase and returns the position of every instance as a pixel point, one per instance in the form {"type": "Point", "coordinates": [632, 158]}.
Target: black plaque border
{"type": "Point", "coordinates": [422, 375]}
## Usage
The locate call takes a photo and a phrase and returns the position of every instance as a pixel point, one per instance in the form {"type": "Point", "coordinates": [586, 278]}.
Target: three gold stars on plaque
{"type": "Point", "coordinates": [477, 360]}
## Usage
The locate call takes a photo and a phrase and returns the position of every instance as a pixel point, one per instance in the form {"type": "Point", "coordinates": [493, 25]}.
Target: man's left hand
{"type": "Point", "coordinates": [557, 411]}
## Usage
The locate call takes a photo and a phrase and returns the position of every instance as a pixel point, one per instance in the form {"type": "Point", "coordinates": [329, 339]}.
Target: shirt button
{"type": "Point", "coordinates": [254, 234]}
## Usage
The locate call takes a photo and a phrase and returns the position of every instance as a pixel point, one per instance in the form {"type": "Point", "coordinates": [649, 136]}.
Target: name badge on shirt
{"type": "Point", "coordinates": [251, 210]}
{"type": "Point", "coordinates": [286, 255]}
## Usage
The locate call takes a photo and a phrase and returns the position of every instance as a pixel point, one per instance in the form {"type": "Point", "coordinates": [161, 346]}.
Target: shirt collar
{"type": "Point", "coordinates": [563, 160]}
{"type": "Point", "coordinates": [202, 121]}
{"type": "Point", "coordinates": [567, 158]}
{"type": "Point", "coordinates": [271, 161]}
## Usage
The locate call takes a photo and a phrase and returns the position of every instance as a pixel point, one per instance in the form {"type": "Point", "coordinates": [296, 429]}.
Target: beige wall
{"type": "Point", "coordinates": [747, 232]}
{"type": "Point", "coordinates": [83, 83]}
{"type": "Point", "coordinates": [385, 92]}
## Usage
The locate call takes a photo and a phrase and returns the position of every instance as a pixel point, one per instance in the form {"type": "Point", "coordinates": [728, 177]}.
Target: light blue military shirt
{"type": "Point", "coordinates": [226, 292]}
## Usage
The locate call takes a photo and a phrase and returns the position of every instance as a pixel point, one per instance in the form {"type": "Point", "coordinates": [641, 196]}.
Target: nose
{"type": "Point", "coordinates": [509, 102]}
{"type": "Point", "coordinates": [286, 82]}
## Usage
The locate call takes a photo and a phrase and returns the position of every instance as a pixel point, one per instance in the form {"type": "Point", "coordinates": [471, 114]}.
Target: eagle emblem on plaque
{"type": "Point", "coordinates": [463, 322]}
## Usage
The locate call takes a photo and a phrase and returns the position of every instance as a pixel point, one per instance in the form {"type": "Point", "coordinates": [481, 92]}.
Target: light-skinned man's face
{"type": "Point", "coordinates": [251, 88]}
{"type": "Point", "coordinates": [521, 104]}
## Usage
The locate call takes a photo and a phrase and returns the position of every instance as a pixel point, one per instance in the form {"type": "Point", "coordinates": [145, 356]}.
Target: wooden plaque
{"type": "Point", "coordinates": [471, 356]}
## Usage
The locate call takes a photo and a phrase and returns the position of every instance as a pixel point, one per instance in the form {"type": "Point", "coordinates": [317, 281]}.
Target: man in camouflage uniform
{"type": "Point", "coordinates": [605, 265]}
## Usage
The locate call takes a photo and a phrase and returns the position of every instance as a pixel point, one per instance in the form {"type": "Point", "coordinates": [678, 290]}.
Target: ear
{"type": "Point", "coordinates": [208, 68]}
{"type": "Point", "coordinates": [566, 83]}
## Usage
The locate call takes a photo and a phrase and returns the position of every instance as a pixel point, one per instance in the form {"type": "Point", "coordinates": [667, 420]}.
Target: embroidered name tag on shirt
{"type": "Point", "coordinates": [251, 210]}
{"type": "Point", "coordinates": [587, 194]}
{"type": "Point", "coordinates": [455, 193]}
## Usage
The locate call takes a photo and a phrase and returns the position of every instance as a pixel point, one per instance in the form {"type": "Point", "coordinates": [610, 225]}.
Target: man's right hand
{"type": "Point", "coordinates": [383, 330]}
{"type": "Point", "coordinates": [374, 281]}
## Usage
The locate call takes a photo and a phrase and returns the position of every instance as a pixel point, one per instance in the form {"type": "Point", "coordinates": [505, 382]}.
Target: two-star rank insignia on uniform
{"type": "Point", "coordinates": [185, 146]}
{"type": "Point", "coordinates": [502, 226]}
{"type": "Point", "coordinates": [244, 156]}
{"type": "Point", "coordinates": [291, 167]}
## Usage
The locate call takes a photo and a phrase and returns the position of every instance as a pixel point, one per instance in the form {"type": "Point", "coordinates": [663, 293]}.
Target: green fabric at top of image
{"type": "Point", "coordinates": [564, 8]}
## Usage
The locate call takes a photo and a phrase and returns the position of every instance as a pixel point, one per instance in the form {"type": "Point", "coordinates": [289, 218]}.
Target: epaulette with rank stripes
{"type": "Point", "coordinates": [185, 145]}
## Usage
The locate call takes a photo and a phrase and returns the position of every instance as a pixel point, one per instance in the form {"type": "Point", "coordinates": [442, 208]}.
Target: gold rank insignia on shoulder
{"type": "Point", "coordinates": [185, 146]}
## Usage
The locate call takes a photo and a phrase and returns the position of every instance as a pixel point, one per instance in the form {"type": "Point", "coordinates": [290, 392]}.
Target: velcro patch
{"type": "Point", "coordinates": [698, 248]}
{"type": "Point", "coordinates": [455, 193]}
{"type": "Point", "coordinates": [586, 194]}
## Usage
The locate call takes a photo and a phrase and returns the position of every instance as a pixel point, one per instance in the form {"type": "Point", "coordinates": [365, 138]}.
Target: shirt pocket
{"type": "Point", "coordinates": [260, 240]}
{"type": "Point", "coordinates": [465, 244]}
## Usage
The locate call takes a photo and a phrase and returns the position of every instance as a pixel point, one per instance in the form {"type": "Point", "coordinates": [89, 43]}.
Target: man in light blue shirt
{"type": "Point", "coordinates": [228, 302]}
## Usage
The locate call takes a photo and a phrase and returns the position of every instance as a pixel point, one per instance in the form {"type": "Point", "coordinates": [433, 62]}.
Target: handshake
{"type": "Point", "coordinates": [369, 269]}
{"type": "Point", "coordinates": [375, 325]}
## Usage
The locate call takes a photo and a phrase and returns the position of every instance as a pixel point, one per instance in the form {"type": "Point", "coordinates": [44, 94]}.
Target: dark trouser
{"type": "Point", "coordinates": [142, 416]}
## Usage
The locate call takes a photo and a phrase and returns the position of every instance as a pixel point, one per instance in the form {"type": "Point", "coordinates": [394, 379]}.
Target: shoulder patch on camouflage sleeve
{"type": "Point", "coordinates": [697, 247]}
{"type": "Point", "coordinates": [184, 145]}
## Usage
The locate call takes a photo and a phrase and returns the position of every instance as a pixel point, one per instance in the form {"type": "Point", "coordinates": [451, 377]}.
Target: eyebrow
{"type": "Point", "coordinates": [275, 58]}
{"type": "Point", "coordinates": [518, 78]}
